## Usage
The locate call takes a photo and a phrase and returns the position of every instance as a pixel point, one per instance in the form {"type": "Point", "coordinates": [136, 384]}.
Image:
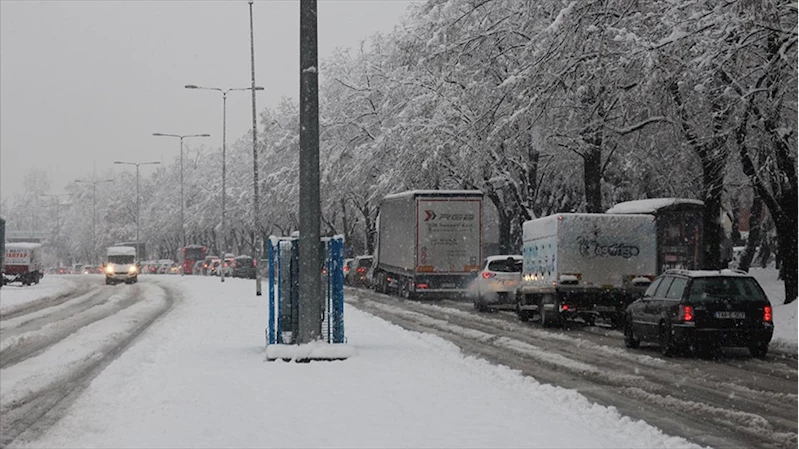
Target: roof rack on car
{"type": "Point", "coordinates": [677, 271]}
{"type": "Point", "coordinates": [734, 270]}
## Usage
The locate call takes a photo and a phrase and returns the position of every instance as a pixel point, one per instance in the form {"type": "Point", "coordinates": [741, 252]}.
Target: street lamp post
{"type": "Point", "coordinates": [181, 137]}
{"type": "Point", "coordinates": [57, 238]}
{"type": "Point", "coordinates": [137, 164]}
{"type": "Point", "coordinates": [94, 212]}
{"type": "Point", "coordinates": [224, 93]}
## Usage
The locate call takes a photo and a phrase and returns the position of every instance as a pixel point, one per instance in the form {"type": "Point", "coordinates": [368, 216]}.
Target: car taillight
{"type": "Point", "coordinates": [346, 269]}
{"type": "Point", "coordinates": [767, 314]}
{"type": "Point", "coordinates": [488, 275]}
{"type": "Point", "coordinates": [421, 286]}
{"type": "Point", "coordinates": [361, 270]}
{"type": "Point", "coordinates": [254, 263]}
{"type": "Point", "coordinates": [687, 313]}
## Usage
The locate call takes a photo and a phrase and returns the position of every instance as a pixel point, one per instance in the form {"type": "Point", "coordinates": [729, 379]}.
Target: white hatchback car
{"type": "Point", "coordinates": [496, 283]}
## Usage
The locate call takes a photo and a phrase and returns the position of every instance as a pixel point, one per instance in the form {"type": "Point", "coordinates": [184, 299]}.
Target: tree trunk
{"type": "Point", "coordinates": [713, 232]}
{"type": "Point", "coordinates": [592, 177]}
{"type": "Point", "coordinates": [786, 226]}
{"type": "Point", "coordinates": [754, 234]}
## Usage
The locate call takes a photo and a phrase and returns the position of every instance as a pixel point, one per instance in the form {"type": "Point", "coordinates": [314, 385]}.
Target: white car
{"type": "Point", "coordinates": [496, 283]}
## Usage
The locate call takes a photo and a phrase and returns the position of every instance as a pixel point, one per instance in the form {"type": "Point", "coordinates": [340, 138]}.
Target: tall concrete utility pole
{"type": "Point", "coordinates": [310, 325]}
{"type": "Point", "coordinates": [255, 201]}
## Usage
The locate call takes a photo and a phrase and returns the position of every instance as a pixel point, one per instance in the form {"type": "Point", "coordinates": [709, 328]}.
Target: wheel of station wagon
{"type": "Point", "coordinates": [758, 350]}
{"type": "Point", "coordinates": [629, 336]}
{"type": "Point", "coordinates": [667, 347]}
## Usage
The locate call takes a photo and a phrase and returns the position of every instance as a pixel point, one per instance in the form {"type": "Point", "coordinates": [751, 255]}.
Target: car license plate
{"type": "Point", "coordinates": [448, 285]}
{"type": "Point", "coordinates": [605, 309]}
{"type": "Point", "coordinates": [730, 315]}
{"type": "Point", "coordinates": [508, 283]}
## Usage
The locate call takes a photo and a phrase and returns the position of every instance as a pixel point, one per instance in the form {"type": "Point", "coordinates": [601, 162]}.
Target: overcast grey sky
{"type": "Point", "coordinates": [88, 82]}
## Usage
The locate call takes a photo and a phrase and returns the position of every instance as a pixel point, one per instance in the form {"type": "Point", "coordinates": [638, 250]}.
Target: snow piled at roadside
{"type": "Point", "coordinates": [15, 296]}
{"type": "Point", "coordinates": [197, 378]}
{"type": "Point", "coordinates": [786, 332]}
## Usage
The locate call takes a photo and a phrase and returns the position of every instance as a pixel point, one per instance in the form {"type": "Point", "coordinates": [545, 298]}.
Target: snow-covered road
{"type": "Point", "coordinates": [96, 368]}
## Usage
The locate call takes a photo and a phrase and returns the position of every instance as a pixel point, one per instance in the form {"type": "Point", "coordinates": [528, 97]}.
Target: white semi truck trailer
{"type": "Point", "coordinates": [428, 243]}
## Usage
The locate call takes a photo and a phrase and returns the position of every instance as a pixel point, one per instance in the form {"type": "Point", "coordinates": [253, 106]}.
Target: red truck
{"type": "Point", "coordinates": [23, 263]}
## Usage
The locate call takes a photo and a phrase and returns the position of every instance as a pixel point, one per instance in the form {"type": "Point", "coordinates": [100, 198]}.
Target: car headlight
{"type": "Point", "coordinates": [109, 269]}
{"type": "Point", "coordinates": [132, 269]}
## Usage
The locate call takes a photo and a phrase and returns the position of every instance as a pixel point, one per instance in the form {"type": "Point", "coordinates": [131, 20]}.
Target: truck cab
{"type": "Point", "coordinates": [121, 265]}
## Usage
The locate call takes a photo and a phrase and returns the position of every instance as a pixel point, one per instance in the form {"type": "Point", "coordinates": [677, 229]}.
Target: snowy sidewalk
{"type": "Point", "coordinates": [198, 378]}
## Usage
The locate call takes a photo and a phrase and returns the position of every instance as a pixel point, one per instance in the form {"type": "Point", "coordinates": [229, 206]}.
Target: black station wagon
{"type": "Point", "coordinates": [701, 310]}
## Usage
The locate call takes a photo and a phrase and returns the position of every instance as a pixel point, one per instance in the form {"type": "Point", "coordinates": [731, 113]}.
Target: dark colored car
{"type": "Point", "coordinates": [356, 276]}
{"type": "Point", "coordinates": [701, 310]}
{"type": "Point", "coordinates": [243, 267]}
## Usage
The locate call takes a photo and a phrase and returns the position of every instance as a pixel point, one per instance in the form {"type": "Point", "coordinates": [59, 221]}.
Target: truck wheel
{"type": "Point", "coordinates": [630, 339]}
{"type": "Point", "coordinates": [107, 281]}
{"type": "Point", "coordinates": [525, 315]}
{"type": "Point", "coordinates": [542, 312]}
{"type": "Point", "coordinates": [550, 317]}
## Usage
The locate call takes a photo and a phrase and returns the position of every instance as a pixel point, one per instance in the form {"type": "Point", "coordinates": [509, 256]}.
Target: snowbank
{"type": "Point", "coordinates": [14, 296]}
{"type": "Point", "coordinates": [198, 378]}
{"type": "Point", "coordinates": [786, 334]}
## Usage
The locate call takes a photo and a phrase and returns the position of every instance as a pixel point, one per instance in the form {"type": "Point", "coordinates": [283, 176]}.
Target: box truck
{"type": "Point", "coordinates": [23, 263]}
{"type": "Point", "coordinates": [428, 242]}
{"type": "Point", "coordinates": [585, 265]}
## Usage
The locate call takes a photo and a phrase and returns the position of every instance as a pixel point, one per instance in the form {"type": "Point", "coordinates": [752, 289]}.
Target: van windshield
{"type": "Point", "coordinates": [121, 259]}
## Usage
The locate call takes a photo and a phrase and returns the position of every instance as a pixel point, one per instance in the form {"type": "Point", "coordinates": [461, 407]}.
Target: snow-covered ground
{"type": "Point", "coordinates": [786, 333]}
{"type": "Point", "coordinates": [198, 378]}
{"type": "Point", "coordinates": [13, 296]}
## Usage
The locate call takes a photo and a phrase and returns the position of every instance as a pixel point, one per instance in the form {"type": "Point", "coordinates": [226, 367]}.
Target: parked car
{"type": "Point", "coordinates": [496, 283]}
{"type": "Point", "coordinates": [174, 268]}
{"type": "Point", "coordinates": [701, 310]}
{"type": "Point", "coordinates": [243, 267]}
{"type": "Point", "coordinates": [357, 274]}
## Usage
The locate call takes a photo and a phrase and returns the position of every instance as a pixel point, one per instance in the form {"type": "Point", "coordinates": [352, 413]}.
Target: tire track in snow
{"type": "Point", "coordinates": [33, 336]}
{"type": "Point", "coordinates": [28, 413]}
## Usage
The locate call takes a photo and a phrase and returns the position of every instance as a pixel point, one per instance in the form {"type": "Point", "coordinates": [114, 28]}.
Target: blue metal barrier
{"type": "Point", "coordinates": [283, 278]}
